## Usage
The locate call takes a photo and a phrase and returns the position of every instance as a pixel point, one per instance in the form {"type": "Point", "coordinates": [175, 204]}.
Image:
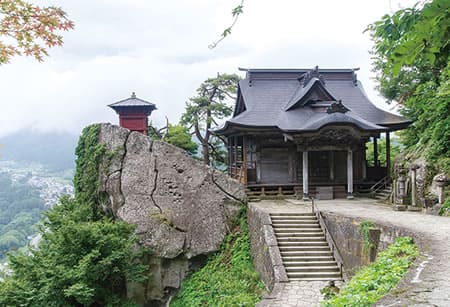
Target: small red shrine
{"type": "Point", "coordinates": [133, 113]}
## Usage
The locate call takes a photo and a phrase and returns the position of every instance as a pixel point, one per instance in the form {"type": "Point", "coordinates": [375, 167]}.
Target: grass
{"type": "Point", "coordinates": [228, 278]}
{"type": "Point", "coordinates": [374, 281]}
{"type": "Point", "coordinates": [445, 209]}
{"type": "Point", "coordinates": [365, 228]}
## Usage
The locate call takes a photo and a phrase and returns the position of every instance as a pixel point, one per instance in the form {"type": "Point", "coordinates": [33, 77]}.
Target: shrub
{"type": "Point", "coordinates": [374, 281]}
{"type": "Point", "coordinates": [228, 279]}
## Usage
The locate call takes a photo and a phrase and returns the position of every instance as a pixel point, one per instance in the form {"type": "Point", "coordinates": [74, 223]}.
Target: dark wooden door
{"type": "Point", "coordinates": [275, 165]}
{"type": "Point", "coordinates": [319, 166]}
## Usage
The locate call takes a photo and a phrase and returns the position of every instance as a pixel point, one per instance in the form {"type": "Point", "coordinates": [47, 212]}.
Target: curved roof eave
{"type": "Point", "coordinates": [380, 129]}
{"type": "Point", "coordinates": [229, 125]}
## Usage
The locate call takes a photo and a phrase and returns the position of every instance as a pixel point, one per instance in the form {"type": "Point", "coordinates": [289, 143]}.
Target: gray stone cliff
{"type": "Point", "coordinates": [182, 208]}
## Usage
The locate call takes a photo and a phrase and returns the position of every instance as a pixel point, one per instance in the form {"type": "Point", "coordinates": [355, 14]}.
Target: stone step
{"type": "Point", "coordinates": [301, 239]}
{"type": "Point", "coordinates": [313, 275]}
{"type": "Point", "coordinates": [315, 279]}
{"type": "Point", "coordinates": [290, 217]}
{"type": "Point", "coordinates": [313, 262]}
{"type": "Point", "coordinates": [298, 230]}
{"type": "Point", "coordinates": [382, 196]}
{"type": "Point", "coordinates": [291, 253]}
{"type": "Point", "coordinates": [383, 192]}
{"type": "Point", "coordinates": [304, 248]}
{"type": "Point", "coordinates": [277, 225]}
{"type": "Point", "coordinates": [294, 214]}
{"type": "Point", "coordinates": [301, 244]}
{"type": "Point", "coordinates": [284, 221]}
{"type": "Point", "coordinates": [330, 269]}
{"type": "Point", "coordinates": [300, 234]}
{"type": "Point", "coordinates": [289, 259]}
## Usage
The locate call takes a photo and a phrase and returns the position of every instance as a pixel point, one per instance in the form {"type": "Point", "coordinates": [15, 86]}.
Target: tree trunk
{"type": "Point", "coordinates": [205, 151]}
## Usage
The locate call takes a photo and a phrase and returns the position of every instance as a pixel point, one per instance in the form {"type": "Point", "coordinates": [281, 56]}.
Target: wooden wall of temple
{"type": "Point", "coordinates": [272, 160]}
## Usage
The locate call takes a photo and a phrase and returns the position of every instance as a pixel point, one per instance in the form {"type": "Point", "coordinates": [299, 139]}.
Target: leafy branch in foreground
{"type": "Point", "coordinates": [235, 12]}
{"type": "Point", "coordinates": [30, 29]}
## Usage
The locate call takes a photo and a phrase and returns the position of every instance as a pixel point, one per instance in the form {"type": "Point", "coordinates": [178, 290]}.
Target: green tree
{"type": "Point", "coordinates": [85, 257]}
{"type": "Point", "coordinates": [20, 210]}
{"type": "Point", "coordinates": [381, 145]}
{"type": "Point", "coordinates": [204, 110]}
{"type": "Point", "coordinates": [30, 29]}
{"type": "Point", "coordinates": [79, 262]}
{"type": "Point", "coordinates": [411, 58]}
{"type": "Point", "coordinates": [177, 135]}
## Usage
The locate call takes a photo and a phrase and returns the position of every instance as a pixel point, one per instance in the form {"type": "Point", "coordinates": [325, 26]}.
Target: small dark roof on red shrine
{"type": "Point", "coordinates": [133, 101]}
{"type": "Point", "coordinates": [305, 100]}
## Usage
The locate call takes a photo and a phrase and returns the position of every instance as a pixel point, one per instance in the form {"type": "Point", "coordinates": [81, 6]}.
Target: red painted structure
{"type": "Point", "coordinates": [133, 113]}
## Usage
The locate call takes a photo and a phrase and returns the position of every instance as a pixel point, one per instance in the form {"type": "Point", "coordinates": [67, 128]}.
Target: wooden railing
{"type": "Point", "coordinates": [380, 184]}
{"type": "Point", "coordinates": [329, 238]}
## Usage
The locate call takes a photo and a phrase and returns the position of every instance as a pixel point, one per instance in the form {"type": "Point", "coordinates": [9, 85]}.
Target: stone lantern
{"type": "Point", "coordinates": [441, 181]}
{"type": "Point", "coordinates": [414, 207]}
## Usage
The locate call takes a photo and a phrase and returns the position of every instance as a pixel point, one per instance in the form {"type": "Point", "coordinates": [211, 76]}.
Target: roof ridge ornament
{"type": "Point", "coordinates": [133, 95]}
{"type": "Point", "coordinates": [313, 73]}
{"type": "Point", "coordinates": [337, 107]}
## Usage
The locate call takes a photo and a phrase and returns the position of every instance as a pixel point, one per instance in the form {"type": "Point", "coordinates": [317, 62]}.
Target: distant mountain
{"type": "Point", "coordinates": [54, 150]}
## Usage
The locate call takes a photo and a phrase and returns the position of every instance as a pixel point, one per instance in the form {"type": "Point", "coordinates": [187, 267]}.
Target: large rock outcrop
{"type": "Point", "coordinates": [182, 209]}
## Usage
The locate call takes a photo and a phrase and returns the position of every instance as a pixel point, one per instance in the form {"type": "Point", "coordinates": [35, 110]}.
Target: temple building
{"type": "Point", "coordinates": [305, 131]}
{"type": "Point", "coordinates": [133, 113]}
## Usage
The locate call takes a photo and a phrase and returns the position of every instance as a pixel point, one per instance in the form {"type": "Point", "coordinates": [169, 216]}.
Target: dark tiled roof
{"type": "Point", "coordinates": [133, 101]}
{"type": "Point", "coordinates": [301, 94]}
{"type": "Point", "coordinates": [271, 99]}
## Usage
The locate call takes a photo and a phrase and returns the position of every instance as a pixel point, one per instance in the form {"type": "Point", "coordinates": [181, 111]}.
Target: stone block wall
{"type": "Point", "coordinates": [266, 255]}
{"type": "Point", "coordinates": [346, 232]}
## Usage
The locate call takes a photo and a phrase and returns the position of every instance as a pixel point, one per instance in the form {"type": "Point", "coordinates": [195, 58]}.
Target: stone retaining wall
{"type": "Point", "coordinates": [266, 255]}
{"type": "Point", "coordinates": [346, 232]}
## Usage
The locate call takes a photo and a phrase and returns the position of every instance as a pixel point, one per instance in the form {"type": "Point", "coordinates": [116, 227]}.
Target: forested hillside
{"type": "Point", "coordinates": [20, 209]}
{"type": "Point", "coordinates": [35, 170]}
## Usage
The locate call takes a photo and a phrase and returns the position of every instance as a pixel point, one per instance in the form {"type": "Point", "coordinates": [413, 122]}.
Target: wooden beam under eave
{"type": "Point", "coordinates": [288, 137]}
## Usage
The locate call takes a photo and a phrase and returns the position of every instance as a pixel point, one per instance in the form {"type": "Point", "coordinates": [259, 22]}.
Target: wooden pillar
{"type": "Point", "coordinates": [331, 164]}
{"type": "Point", "coordinates": [244, 159]}
{"type": "Point", "coordinates": [305, 176]}
{"type": "Point", "coordinates": [375, 152]}
{"type": "Point", "coordinates": [350, 174]}
{"type": "Point", "coordinates": [235, 157]}
{"type": "Point", "coordinates": [230, 163]}
{"type": "Point", "coordinates": [388, 156]}
{"type": "Point", "coordinates": [364, 164]}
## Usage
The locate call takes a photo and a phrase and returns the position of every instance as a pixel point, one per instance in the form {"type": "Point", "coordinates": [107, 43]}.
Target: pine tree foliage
{"type": "Point", "coordinates": [206, 109]}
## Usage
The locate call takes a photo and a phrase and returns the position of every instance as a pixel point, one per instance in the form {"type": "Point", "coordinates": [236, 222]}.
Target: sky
{"type": "Point", "coordinates": [159, 49]}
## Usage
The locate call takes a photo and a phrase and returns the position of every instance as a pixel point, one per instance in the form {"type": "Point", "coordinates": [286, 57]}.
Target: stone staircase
{"type": "Point", "coordinates": [303, 247]}
{"type": "Point", "coordinates": [384, 194]}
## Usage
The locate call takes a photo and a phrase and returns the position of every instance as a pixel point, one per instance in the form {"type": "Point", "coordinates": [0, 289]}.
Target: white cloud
{"type": "Point", "coordinates": [159, 50]}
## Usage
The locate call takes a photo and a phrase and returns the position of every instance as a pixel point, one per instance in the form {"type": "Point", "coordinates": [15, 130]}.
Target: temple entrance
{"type": "Point", "coordinates": [276, 165]}
{"type": "Point", "coordinates": [319, 166]}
